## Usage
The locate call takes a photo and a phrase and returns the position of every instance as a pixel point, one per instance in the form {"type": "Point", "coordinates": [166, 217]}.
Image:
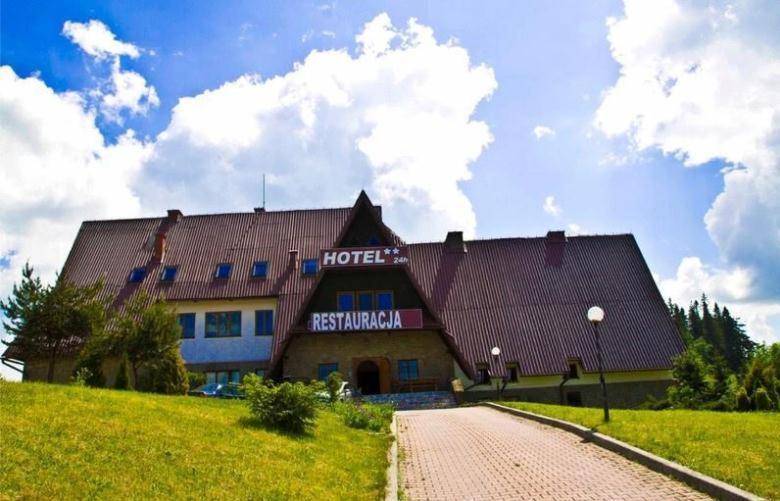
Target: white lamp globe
{"type": "Point", "coordinates": [496, 351]}
{"type": "Point", "coordinates": [595, 314]}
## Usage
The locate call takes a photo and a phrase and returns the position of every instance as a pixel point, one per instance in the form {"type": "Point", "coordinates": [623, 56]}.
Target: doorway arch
{"type": "Point", "coordinates": [368, 377]}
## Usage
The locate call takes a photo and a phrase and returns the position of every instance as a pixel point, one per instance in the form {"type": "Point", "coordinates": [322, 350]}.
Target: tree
{"type": "Point", "coordinates": [695, 326]}
{"type": "Point", "coordinates": [737, 343]}
{"type": "Point", "coordinates": [680, 320]}
{"type": "Point", "coordinates": [46, 321]}
{"type": "Point", "coordinates": [148, 332]}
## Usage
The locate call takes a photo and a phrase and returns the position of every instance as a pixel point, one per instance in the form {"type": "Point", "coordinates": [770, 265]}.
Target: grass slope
{"type": "Point", "coordinates": [742, 449]}
{"type": "Point", "coordinates": [69, 442]}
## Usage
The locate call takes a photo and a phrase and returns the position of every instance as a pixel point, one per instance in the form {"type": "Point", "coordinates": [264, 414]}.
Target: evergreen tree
{"type": "Point", "coordinates": [680, 320]}
{"type": "Point", "coordinates": [695, 326]}
{"type": "Point", "coordinates": [738, 346]}
{"type": "Point", "coordinates": [47, 321]}
{"type": "Point", "coordinates": [711, 330]}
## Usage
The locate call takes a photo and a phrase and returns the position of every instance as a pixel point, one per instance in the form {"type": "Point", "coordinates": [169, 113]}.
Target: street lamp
{"type": "Point", "coordinates": [595, 316]}
{"type": "Point", "coordinates": [496, 351]}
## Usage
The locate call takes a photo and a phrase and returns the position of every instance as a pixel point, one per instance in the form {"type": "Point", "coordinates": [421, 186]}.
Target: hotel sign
{"type": "Point", "coordinates": [364, 256]}
{"type": "Point", "coordinates": [340, 321]}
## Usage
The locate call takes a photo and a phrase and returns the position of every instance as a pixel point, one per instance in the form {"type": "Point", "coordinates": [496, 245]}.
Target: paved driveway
{"type": "Point", "coordinates": [480, 453]}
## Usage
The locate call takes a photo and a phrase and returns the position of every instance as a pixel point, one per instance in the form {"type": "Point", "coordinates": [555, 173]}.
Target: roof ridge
{"type": "Point", "coordinates": [496, 239]}
{"type": "Point", "coordinates": [215, 214]}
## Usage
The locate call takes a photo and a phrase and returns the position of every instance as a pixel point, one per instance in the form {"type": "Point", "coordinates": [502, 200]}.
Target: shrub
{"type": "Point", "coordinates": [81, 376]}
{"type": "Point", "coordinates": [122, 381]}
{"type": "Point", "coordinates": [375, 417]}
{"type": "Point", "coordinates": [165, 374]}
{"type": "Point", "coordinates": [90, 365]}
{"type": "Point", "coordinates": [743, 401]}
{"type": "Point", "coordinates": [288, 407]}
{"type": "Point", "coordinates": [762, 400]}
{"type": "Point", "coordinates": [654, 404]}
{"type": "Point", "coordinates": [196, 379]}
{"type": "Point", "coordinates": [334, 385]}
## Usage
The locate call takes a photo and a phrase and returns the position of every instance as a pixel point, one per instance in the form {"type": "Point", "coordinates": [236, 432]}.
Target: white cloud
{"type": "Point", "coordinates": [550, 206]}
{"type": "Point", "coordinates": [394, 120]}
{"type": "Point", "coordinates": [541, 131]}
{"type": "Point", "coordinates": [575, 229]}
{"type": "Point", "coordinates": [122, 90]}
{"type": "Point", "coordinates": [57, 171]}
{"type": "Point", "coordinates": [96, 39]}
{"type": "Point", "coordinates": [700, 82]}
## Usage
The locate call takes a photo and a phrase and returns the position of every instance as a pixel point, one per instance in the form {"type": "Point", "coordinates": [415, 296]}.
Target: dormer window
{"type": "Point", "coordinates": [223, 271]}
{"type": "Point", "coordinates": [137, 275]}
{"type": "Point", "coordinates": [573, 374]}
{"type": "Point", "coordinates": [260, 269]}
{"type": "Point", "coordinates": [309, 266]}
{"type": "Point", "coordinates": [168, 274]}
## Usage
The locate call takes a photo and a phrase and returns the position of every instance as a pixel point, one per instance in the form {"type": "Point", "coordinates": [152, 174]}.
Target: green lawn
{"type": "Point", "coordinates": [68, 442]}
{"type": "Point", "coordinates": [742, 449]}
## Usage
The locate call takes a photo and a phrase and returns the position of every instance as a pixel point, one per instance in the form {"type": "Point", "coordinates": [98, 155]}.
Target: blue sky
{"type": "Point", "coordinates": [610, 165]}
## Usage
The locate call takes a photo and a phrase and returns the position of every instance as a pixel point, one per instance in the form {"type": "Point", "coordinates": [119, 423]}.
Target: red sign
{"type": "Point", "coordinates": [363, 256]}
{"type": "Point", "coordinates": [339, 321]}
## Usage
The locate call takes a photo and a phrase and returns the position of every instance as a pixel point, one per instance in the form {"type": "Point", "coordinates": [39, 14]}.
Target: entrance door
{"type": "Point", "coordinates": [368, 377]}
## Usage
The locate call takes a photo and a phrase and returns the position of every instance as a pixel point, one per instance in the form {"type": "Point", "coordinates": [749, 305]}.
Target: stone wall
{"type": "Point", "coordinates": [307, 351]}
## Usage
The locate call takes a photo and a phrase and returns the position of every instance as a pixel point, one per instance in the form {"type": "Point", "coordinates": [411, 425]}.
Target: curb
{"type": "Point", "coordinates": [391, 490]}
{"type": "Point", "coordinates": [699, 481]}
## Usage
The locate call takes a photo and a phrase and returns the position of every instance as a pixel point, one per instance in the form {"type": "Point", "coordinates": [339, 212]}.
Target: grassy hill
{"type": "Point", "coordinates": [742, 449]}
{"type": "Point", "coordinates": [67, 442]}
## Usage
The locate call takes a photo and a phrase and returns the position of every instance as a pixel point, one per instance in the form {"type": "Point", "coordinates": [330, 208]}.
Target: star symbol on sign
{"type": "Point", "coordinates": [396, 251]}
{"type": "Point", "coordinates": [388, 251]}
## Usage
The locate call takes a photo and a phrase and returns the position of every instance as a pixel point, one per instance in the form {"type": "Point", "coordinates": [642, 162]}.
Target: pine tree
{"type": "Point", "coordinates": [738, 346]}
{"type": "Point", "coordinates": [711, 331]}
{"type": "Point", "coordinates": [680, 320]}
{"type": "Point", "coordinates": [695, 326]}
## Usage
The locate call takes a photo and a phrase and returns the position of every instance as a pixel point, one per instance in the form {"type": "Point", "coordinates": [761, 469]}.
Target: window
{"type": "Point", "coordinates": [223, 324]}
{"type": "Point", "coordinates": [384, 300]}
{"type": "Point", "coordinates": [260, 269]}
{"type": "Point", "coordinates": [264, 323]}
{"type": "Point", "coordinates": [168, 274]}
{"type": "Point", "coordinates": [223, 271]}
{"type": "Point", "coordinates": [573, 371]}
{"type": "Point", "coordinates": [373, 241]}
{"type": "Point", "coordinates": [407, 369]}
{"type": "Point", "coordinates": [187, 323]}
{"type": "Point", "coordinates": [483, 376]}
{"type": "Point", "coordinates": [346, 301]}
{"type": "Point", "coordinates": [324, 369]}
{"type": "Point", "coordinates": [223, 377]}
{"type": "Point", "coordinates": [365, 301]}
{"type": "Point", "coordinates": [511, 371]}
{"type": "Point", "coordinates": [137, 275]}
{"type": "Point", "coordinates": [309, 266]}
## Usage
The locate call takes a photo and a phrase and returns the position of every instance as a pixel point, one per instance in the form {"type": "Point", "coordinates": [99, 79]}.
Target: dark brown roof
{"type": "Point", "coordinates": [526, 295]}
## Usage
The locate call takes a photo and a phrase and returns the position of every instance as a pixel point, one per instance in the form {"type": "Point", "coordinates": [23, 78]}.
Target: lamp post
{"type": "Point", "coordinates": [595, 316]}
{"type": "Point", "coordinates": [496, 351]}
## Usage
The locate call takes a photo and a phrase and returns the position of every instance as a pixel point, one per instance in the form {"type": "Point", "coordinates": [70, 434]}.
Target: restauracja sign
{"type": "Point", "coordinates": [364, 256]}
{"type": "Point", "coordinates": [365, 320]}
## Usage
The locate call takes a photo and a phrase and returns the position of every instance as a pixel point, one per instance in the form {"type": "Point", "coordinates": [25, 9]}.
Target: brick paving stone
{"type": "Point", "coordinates": [476, 453]}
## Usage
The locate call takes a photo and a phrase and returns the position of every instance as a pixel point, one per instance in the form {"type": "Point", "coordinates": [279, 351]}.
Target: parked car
{"type": "Point", "coordinates": [345, 393]}
{"type": "Point", "coordinates": [218, 390]}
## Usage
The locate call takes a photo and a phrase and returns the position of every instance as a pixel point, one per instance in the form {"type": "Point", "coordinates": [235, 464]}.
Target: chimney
{"type": "Point", "coordinates": [293, 262]}
{"type": "Point", "coordinates": [378, 210]}
{"type": "Point", "coordinates": [454, 242]}
{"type": "Point", "coordinates": [554, 245]}
{"type": "Point", "coordinates": [159, 247]}
{"type": "Point", "coordinates": [174, 215]}
{"type": "Point", "coordinates": [259, 210]}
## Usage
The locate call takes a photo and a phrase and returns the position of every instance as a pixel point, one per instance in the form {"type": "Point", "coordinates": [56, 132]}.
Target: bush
{"type": "Point", "coordinates": [165, 374]}
{"type": "Point", "coordinates": [90, 368]}
{"type": "Point", "coordinates": [81, 376]}
{"type": "Point", "coordinates": [375, 417]}
{"type": "Point", "coordinates": [122, 381]}
{"type": "Point", "coordinates": [196, 379]}
{"type": "Point", "coordinates": [654, 404]}
{"type": "Point", "coordinates": [743, 401]}
{"type": "Point", "coordinates": [334, 385]}
{"type": "Point", "coordinates": [762, 400]}
{"type": "Point", "coordinates": [288, 407]}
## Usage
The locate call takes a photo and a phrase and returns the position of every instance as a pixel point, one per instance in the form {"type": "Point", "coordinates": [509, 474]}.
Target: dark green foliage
{"type": "Point", "coordinates": [691, 382]}
{"type": "Point", "coordinates": [196, 379]}
{"type": "Point", "coordinates": [164, 374]}
{"type": "Point", "coordinates": [333, 383]}
{"type": "Point", "coordinates": [46, 321]}
{"type": "Point", "coordinates": [288, 407]}
{"type": "Point", "coordinates": [743, 400]}
{"type": "Point", "coordinates": [374, 417]}
{"type": "Point", "coordinates": [654, 404]}
{"type": "Point", "coordinates": [148, 331]}
{"type": "Point", "coordinates": [122, 381]}
{"type": "Point", "coordinates": [92, 362]}
{"type": "Point", "coordinates": [762, 400]}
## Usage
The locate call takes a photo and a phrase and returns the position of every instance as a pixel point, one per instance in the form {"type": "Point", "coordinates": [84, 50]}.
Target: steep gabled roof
{"type": "Point", "coordinates": [526, 295]}
{"type": "Point", "coordinates": [502, 293]}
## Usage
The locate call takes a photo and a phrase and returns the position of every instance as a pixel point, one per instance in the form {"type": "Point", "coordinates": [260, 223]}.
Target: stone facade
{"type": "Point", "coordinates": [37, 370]}
{"type": "Point", "coordinates": [306, 352]}
{"type": "Point", "coordinates": [621, 395]}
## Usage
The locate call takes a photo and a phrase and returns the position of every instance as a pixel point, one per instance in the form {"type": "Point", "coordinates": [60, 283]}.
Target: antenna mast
{"type": "Point", "coordinates": [263, 191]}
